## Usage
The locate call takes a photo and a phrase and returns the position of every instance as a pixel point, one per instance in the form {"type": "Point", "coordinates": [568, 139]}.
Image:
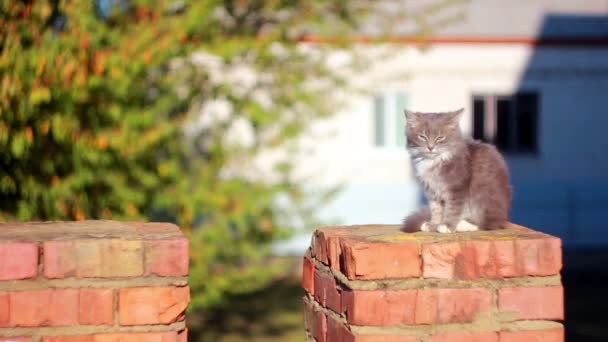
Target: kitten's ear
{"type": "Point", "coordinates": [456, 115]}
{"type": "Point", "coordinates": [410, 116]}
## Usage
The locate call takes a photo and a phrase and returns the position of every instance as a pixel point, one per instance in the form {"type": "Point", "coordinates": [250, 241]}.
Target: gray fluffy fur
{"type": "Point", "coordinates": [463, 179]}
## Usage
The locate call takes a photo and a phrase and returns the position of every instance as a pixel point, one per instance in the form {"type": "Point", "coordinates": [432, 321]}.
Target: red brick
{"type": "Point", "coordinates": [379, 307]}
{"type": "Point", "coordinates": [96, 306]}
{"type": "Point", "coordinates": [327, 293]}
{"type": "Point", "coordinates": [308, 275]}
{"type": "Point", "coordinates": [451, 305]}
{"type": "Point", "coordinates": [379, 260]}
{"type": "Point", "coordinates": [320, 327]}
{"type": "Point", "coordinates": [468, 259]}
{"type": "Point", "coordinates": [423, 306]}
{"type": "Point", "coordinates": [16, 339]}
{"type": "Point", "coordinates": [44, 308]}
{"type": "Point", "coordinates": [539, 257]}
{"type": "Point", "coordinates": [309, 316]}
{"type": "Point", "coordinates": [533, 302]}
{"type": "Point", "coordinates": [326, 245]}
{"type": "Point", "coordinates": [168, 336]}
{"type": "Point", "coordinates": [57, 263]}
{"type": "Point", "coordinates": [465, 337]}
{"type": "Point", "coordinates": [167, 257]}
{"type": "Point", "coordinates": [18, 260]}
{"type": "Point", "coordinates": [550, 335]}
{"type": "Point", "coordinates": [439, 259]}
{"type": "Point", "coordinates": [64, 307]}
{"type": "Point", "coordinates": [327, 241]}
{"type": "Point", "coordinates": [379, 338]}
{"type": "Point", "coordinates": [182, 336]}
{"type": "Point", "coordinates": [4, 309]}
{"type": "Point", "coordinates": [75, 338]}
{"type": "Point", "coordinates": [319, 246]}
{"type": "Point", "coordinates": [29, 308]}
{"type": "Point", "coordinates": [93, 258]}
{"type": "Point", "coordinates": [504, 253]}
{"type": "Point", "coordinates": [337, 331]}
{"type": "Point", "coordinates": [152, 305]}
{"type": "Point", "coordinates": [315, 322]}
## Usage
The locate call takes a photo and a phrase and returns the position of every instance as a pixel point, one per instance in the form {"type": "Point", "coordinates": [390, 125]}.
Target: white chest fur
{"type": "Point", "coordinates": [423, 166]}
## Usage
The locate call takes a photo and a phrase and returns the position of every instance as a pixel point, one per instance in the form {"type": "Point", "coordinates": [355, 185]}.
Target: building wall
{"type": "Point", "coordinates": [550, 186]}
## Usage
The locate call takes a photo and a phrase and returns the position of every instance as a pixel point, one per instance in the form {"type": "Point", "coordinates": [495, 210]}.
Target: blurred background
{"type": "Point", "coordinates": [249, 123]}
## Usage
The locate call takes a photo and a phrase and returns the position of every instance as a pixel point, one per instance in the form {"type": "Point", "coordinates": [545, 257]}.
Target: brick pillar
{"type": "Point", "coordinates": [93, 281]}
{"type": "Point", "coordinates": [375, 283]}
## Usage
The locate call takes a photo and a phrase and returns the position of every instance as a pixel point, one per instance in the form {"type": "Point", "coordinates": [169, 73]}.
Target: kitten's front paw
{"type": "Point", "coordinates": [465, 226]}
{"type": "Point", "coordinates": [442, 228]}
{"type": "Point", "coordinates": [426, 227]}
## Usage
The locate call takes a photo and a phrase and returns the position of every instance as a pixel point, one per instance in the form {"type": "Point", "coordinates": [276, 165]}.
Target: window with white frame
{"type": "Point", "coordinates": [389, 119]}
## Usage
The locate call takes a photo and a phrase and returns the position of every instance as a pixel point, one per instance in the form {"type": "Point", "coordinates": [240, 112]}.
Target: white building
{"type": "Point", "coordinates": [533, 78]}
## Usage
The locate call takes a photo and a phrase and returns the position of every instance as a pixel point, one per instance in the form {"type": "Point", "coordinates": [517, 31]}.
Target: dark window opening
{"type": "Point", "coordinates": [509, 122]}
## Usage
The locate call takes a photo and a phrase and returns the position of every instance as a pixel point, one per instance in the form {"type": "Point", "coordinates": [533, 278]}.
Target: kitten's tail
{"type": "Point", "coordinates": [413, 222]}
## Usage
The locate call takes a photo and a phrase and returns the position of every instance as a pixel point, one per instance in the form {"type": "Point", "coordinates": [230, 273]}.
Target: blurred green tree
{"type": "Point", "coordinates": [142, 109]}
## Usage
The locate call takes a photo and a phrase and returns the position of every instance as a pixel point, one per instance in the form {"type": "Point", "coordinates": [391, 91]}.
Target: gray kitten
{"type": "Point", "coordinates": [466, 182]}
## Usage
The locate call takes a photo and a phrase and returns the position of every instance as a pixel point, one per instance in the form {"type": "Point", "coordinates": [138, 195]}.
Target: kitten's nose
{"type": "Point", "coordinates": [430, 147]}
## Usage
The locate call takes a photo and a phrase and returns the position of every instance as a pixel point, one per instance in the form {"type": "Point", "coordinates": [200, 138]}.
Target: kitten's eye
{"type": "Point", "coordinates": [422, 137]}
{"type": "Point", "coordinates": [440, 139]}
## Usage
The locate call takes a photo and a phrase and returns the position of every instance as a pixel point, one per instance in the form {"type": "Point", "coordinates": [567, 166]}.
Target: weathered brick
{"type": "Point", "coordinates": [4, 309]}
{"type": "Point", "coordinates": [422, 306]}
{"type": "Point", "coordinates": [18, 260]}
{"type": "Point", "coordinates": [167, 257]}
{"type": "Point", "coordinates": [379, 307]}
{"type": "Point", "coordinates": [320, 330]}
{"type": "Point", "coordinates": [539, 257]}
{"type": "Point", "coordinates": [536, 255]}
{"type": "Point", "coordinates": [533, 302]}
{"type": "Point", "coordinates": [96, 306]}
{"type": "Point", "coordinates": [439, 259]}
{"type": "Point", "coordinates": [308, 275]}
{"type": "Point", "coordinates": [465, 337]}
{"type": "Point", "coordinates": [315, 322]}
{"type": "Point", "coordinates": [337, 331]}
{"type": "Point", "coordinates": [447, 305]}
{"type": "Point", "coordinates": [166, 336]}
{"type": "Point", "coordinates": [549, 335]}
{"type": "Point", "coordinates": [326, 245]}
{"type": "Point", "coordinates": [64, 307]}
{"type": "Point", "coordinates": [309, 316]}
{"type": "Point", "coordinates": [379, 260]}
{"type": "Point", "coordinates": [74, 338]}
{"type": "Point", "coordinates": [29, 308]}
{"type": "Point", "coordinates": [326, 291]}
{"type": "Point", "coordinates": [16, 339]}
{"type": "Point", "coordinates": [152, 305]}
{"type": "Point", "coordinates": [462, 305]}
{"type": "Point", "coordinates": [93, 258]}
{"type": "Point", "coordinates": [44, 308]}
{"type": "Point", "coordinates": [182, 336]}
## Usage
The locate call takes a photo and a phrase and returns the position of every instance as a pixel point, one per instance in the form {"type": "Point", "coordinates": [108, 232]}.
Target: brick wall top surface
{"type": "Point", "coordinates": [367, 252]}
{"type": "Point", "coordinates": [377, 283]}
{"type": "Point", "coordinates": [93, 281]}
{"type": "Point", "coordinates": [59, 230]}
